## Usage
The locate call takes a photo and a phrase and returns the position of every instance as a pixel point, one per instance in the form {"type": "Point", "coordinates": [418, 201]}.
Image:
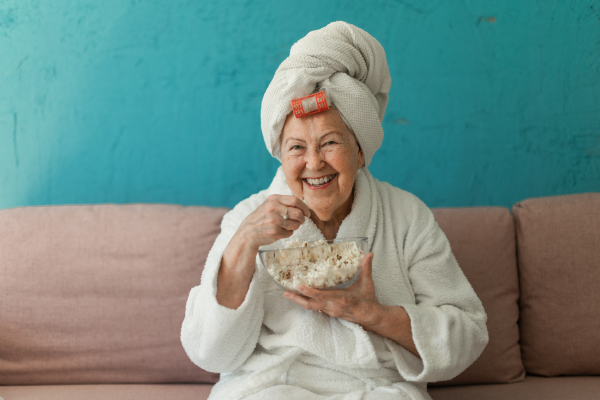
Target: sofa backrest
{"type": "Point", "coordinates": [559, 271]}
{"type": "Point", "coordinates": [483, 242]}
{"type": "Point", "coordinates": [96, 294]}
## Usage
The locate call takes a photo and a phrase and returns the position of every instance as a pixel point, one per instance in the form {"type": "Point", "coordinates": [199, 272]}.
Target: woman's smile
{"type": "Point", "coordinates": [319, 183]}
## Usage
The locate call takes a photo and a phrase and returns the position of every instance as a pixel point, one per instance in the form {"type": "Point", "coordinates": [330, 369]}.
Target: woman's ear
{"type": "Point", "coordinates": [361, 158]}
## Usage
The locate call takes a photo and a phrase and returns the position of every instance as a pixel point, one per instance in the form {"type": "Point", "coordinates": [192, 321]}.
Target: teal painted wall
{"type": "Point", "coordinates": [159, 101]}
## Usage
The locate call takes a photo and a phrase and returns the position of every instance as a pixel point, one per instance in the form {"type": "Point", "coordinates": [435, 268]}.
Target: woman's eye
{"type": "Point", "coordinates": [296, 147]}
{"type": "Point", "coordinates": [330, 142]}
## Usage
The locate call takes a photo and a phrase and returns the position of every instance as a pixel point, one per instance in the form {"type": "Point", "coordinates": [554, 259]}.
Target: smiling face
{"type": "Point", "coordinates": [320, 158]}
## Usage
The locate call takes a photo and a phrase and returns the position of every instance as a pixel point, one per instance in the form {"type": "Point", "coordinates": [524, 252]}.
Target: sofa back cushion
{"type": "Point", "coordinates": [96, 294]}
{"type": "Point", "coordinates": [559, 270]}
{"type": "Point", "coordinates": [483, 242]}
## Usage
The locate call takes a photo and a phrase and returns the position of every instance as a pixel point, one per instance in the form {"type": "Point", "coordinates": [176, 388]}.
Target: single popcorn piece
{"type": "Point", "coordinates": [318, 265]}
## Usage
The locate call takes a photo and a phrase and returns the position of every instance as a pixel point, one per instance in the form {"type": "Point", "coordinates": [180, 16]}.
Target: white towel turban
{"type": "Point", "coordinates": [346, 61]}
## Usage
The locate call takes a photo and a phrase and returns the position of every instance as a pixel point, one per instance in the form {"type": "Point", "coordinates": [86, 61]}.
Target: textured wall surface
{"type": "Point", "coordinates": [159, 101]}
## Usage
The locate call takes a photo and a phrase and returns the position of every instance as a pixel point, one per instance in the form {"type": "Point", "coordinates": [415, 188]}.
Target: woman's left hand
{"type": "Point", "coordinates": [358, 303]}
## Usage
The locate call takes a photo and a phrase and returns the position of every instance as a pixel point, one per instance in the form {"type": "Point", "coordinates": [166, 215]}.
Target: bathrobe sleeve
{"type": "Point", "coordinates": [448, 320]}
{"type": "Point", "coordinates": [217, 338]}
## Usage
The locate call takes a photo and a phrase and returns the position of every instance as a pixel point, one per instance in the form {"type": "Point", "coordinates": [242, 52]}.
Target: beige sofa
{"type": "Point", "coordinates": [92, 299]}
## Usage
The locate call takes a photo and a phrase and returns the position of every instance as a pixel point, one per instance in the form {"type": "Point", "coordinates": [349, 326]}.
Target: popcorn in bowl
{"type": "Point", "coordinates": [324, 264]}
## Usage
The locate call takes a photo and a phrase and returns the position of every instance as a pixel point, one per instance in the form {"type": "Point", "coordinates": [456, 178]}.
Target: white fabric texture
{"type": "Point", "coordinates": [271, 348]}
{"type": "Point", "coordinates": [350, 65]}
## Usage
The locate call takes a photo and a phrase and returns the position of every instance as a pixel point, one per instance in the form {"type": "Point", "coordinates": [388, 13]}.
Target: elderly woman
{"type": "Point", "coordinates": [411, 318]}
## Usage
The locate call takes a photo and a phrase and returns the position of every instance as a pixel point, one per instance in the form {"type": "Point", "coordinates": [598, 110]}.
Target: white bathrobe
{"type": "Point", "coordinates": [271, 348]}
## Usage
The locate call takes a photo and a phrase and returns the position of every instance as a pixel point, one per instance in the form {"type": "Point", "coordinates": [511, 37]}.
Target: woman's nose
{"type": "Point", "coordinates": [314, 159]}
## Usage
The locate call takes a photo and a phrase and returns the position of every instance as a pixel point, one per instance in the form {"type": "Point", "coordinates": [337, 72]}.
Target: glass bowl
{"type": "Point", "coordinates": [324, 264]}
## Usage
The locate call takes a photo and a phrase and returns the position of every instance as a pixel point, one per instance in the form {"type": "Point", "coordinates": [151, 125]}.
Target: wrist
{"type": "Point", "coordinates": [377, 316]}
{"type": "Point", "coordinates": [244, 244]}
{"type": "Point", "coordinates": [246, 241]}
{"type": "Point", "coordinates": [239, 256]}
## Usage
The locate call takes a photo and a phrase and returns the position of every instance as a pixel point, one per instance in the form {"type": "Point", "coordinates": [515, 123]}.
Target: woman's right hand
{"type": "Point", "coordinates": [263, 226]}
{"type": "Point", "coordinates": [267, 223]}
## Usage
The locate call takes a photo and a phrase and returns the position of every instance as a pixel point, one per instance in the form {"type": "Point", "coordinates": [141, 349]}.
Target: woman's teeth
{"type": "Point", "coordinates": [320, 181]}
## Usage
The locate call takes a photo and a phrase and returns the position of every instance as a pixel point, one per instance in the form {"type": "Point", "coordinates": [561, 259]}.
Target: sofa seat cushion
{"type": "Point", "coordinates": [96, 294]}
{"type": "Point", "coordinates": [173, 391]}
{"type": "Point", "coordinates": [532, 388]}
{"type": "Point", "coordinates": [483, 242]}
{"type": "Point", "coordinates": [558, 241]}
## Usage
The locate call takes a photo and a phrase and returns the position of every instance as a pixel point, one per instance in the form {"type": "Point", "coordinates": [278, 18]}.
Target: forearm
{"type": "Point", "coordinates": [235, 273]}
{"type": "Point", "coordinates": [210, 332]}
{"type": "Point", "coordinates": [393, 322]}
